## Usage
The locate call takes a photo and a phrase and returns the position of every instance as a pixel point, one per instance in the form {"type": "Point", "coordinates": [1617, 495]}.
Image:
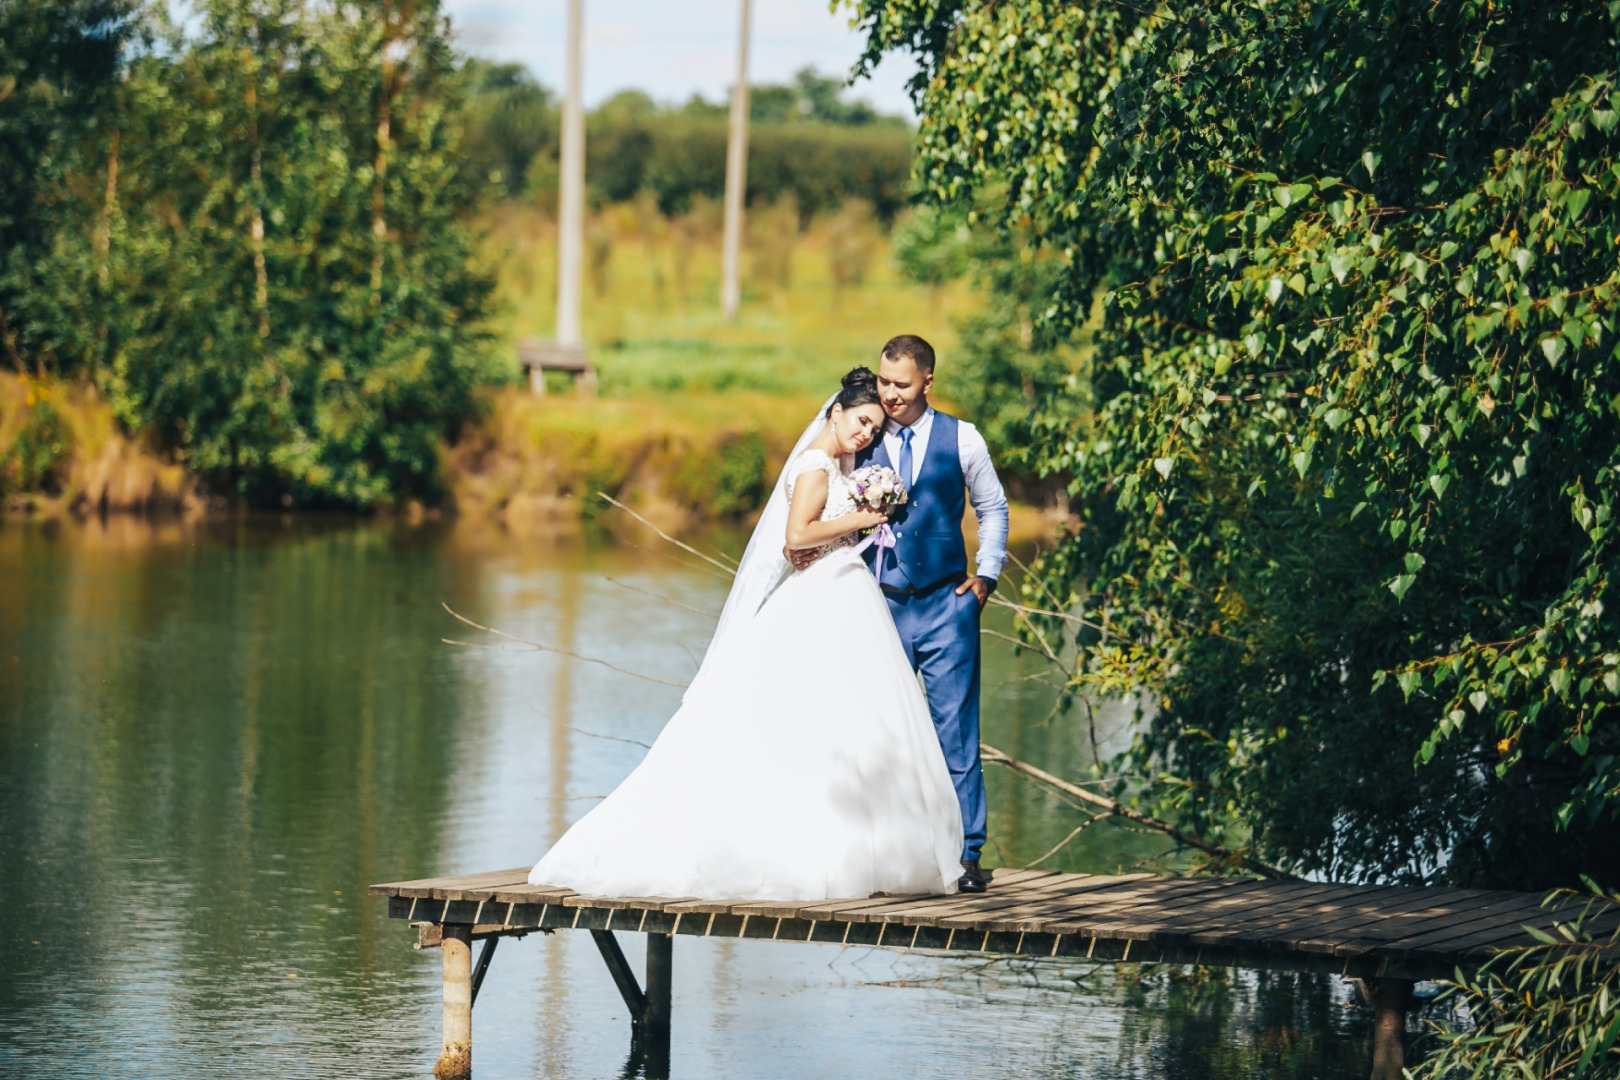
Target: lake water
{"type": "Point", "coordinates": [214, 736]}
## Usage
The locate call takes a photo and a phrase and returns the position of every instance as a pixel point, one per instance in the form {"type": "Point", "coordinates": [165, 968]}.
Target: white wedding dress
{"type": "Point", "coordinates": [802, 764]}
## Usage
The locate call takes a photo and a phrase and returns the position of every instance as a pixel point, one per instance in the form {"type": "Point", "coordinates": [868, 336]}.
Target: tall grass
{"type": "Point", "coordinates": [815, 303]}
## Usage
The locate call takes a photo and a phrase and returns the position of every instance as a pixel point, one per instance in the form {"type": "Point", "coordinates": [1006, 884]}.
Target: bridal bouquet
{"type": "Point", "coordinates": [877, 486]}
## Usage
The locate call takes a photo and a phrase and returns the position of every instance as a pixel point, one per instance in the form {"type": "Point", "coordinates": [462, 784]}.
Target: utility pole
{"type": "Point", "coordinates": [736, 177]}
{"type": "Point", "coordinates": [571, 194]}
{"type": "Point", "coordinates": [567, 352]}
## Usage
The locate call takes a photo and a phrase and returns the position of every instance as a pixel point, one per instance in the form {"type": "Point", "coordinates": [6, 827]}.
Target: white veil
{"type": "Point", "coordinates": [763, 565]}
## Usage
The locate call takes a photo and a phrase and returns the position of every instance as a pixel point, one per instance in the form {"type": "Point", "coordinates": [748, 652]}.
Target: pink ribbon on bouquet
{"type": "Point", "coordinates": [883, 537]}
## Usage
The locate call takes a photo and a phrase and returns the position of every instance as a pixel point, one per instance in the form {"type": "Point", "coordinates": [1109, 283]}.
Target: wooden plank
{"type": "Point", "coordinates": [989, 904]}
{"type": "Point", "coordinates": [1433, 938]}
{"type": "Point", "coordinates": [551, 355]}
{"type": "Point", "coordinates": [1220, 911]}
{"type": "Point", "coordinates": [1146, 921]}
{"type": "Point", "coordinates": [431, 888]}
{"type": "Point", "coordinates": [1306, 908]}
{"type": "Point", "coordinates": [1507, 915]}
{"type": "Point", "coordinates": [1011, 894]}
{"type": "Point", "coordinates": [1113, 896]}
{"type": "Point", "coordinates": [1504, 936]}
{"type": "Point", "coordinates": [1270, 928]}
{"type": "Point", "coordinates": [1386, 918]}
{"type": "Point", "coordinates": [696, 907]}
{"type": "Point", "coordinates": [530, 894]}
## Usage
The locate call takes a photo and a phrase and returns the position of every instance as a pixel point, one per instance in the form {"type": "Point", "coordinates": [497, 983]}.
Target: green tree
{"type": "Point", "coordinates": [1345, 496]}
{"type": "Point", "coordinates": [1008, 364]}
{"type": "Point", "coordinates": [59, 62]}
{"type": "Point", "coordinates": [511, 120]}
{"type": "Point", "coordinates": [280, 283]}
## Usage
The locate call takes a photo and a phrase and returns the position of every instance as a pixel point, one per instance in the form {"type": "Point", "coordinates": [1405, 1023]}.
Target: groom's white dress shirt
{"type": "Point", "coordinates": [985, 495]}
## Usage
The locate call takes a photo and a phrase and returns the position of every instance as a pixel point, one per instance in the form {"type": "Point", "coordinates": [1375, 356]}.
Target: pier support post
{"type": "Point", "coordinates": [660, 971]}
{"type": "Point", "coordinates": [652, 1032]}
{"type": "Point", "coordinates": [1390, 999]}
{"type": "Point", "coordinates": [455, 1060]}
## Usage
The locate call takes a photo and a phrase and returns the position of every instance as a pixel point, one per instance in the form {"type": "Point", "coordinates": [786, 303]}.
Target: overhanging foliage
{"type": "Point", "coordinates": [1345, 499]}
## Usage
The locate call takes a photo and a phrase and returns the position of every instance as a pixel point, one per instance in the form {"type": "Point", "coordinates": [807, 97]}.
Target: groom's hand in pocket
{"type": "Point", "coordinates": [980, 587]}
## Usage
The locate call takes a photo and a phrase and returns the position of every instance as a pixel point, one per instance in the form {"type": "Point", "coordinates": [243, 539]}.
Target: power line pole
{"type": "Point", "coordinates": [736, 177]}
{"type": "Point", "coordinates": [571, 194]}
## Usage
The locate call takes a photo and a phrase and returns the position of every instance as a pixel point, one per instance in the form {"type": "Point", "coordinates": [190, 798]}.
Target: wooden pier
{"type": "Point", "coordinates": [1389, 936]}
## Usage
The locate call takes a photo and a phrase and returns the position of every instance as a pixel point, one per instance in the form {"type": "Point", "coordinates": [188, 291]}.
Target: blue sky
{"type": "Point", "coordinates": [675, 48]}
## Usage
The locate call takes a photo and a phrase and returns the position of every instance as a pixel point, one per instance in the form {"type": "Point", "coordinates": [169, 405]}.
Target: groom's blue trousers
{"type": "Point", "coordinates": [940, 633]}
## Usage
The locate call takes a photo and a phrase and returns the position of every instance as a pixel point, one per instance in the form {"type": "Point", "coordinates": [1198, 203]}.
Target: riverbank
{"type": "Point", "coordinates": [62, 451]}
{"type": "Point", "coordinates": [532, 465]}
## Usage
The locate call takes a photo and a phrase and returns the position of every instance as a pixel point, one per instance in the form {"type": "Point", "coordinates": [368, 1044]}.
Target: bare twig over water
{"type": "Point", "coordinates": [657, 596]}
{"type": "Point", "coordinates": [615, 738]}
{"type": "Point", "coordinates": [1117, 809]}
{"type": "Point", "coordinates": [1063, 843]}
{"type": "Point", "coordinates": [539, 647]}
{"type": "Point", "coordinates": [688, 548]}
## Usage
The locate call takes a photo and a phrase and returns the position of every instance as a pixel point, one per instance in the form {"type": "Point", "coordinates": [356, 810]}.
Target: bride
{"type": "Point", "coordinates": [802, 764]}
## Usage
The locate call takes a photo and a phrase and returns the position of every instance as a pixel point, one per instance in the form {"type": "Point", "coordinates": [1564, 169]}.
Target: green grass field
{"type": "Point", "coordinates": [692, 416]}
{"type": "Point", "coordinates": [652, 303]}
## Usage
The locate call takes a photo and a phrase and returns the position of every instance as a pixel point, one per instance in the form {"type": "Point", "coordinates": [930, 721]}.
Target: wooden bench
{"type": "Point", "coordinates": [1390, 936]}
{"type": "Point", "coordinates": [543, 356]}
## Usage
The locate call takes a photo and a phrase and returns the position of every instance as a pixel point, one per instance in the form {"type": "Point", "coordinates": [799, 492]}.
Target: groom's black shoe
{"type": "Point", "coordinates": [973, 880]}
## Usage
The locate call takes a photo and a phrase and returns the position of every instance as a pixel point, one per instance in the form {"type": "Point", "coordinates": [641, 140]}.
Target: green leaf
{"type": "Point", "coordinates": [1479, 699]}
{"type": "Point", "coordinates": [1439, 483]}
{"type": "Point", "coordinates": [1336, 417]}
{"type": "Point", "coordinates": [1414, 562]}
{"type": "Point", "coordinates": [1575, 202]}
{"type": "Point", "coordinates": [1370, 161]}
{"type": "Point", "coordinates": [1302, 462]}
{"type": "Point", "coordinates": [1401, 583]}
{"type": "Point", "coordinates": [1409, 681]}
{"type": "Point", "coordinates": [1553, 349]}
{"type": "Point", "coordinates": [1559, 678]}
{"type": "Point", "coordinates": [1163, 466]}
{"type": "Point", "coordinates": [1297, 283]}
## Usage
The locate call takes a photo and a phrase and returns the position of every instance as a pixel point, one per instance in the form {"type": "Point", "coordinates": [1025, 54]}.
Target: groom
{"type": "Point", "coordinates": [934, 600]}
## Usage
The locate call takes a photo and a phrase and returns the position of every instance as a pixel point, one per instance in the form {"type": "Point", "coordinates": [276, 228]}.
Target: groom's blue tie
{"type": "Point", "coordinates": [895, 576]}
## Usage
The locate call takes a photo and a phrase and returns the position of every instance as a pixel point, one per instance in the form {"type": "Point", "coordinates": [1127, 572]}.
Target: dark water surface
{"type": "Point", "coordinates": [213, 737]}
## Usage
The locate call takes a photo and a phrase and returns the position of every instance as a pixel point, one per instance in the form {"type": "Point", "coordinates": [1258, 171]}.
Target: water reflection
{"type": "Point", "coordinates": [213, 737]}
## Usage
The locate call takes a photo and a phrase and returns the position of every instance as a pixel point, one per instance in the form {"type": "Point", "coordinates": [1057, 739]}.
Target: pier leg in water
{"type": "Point", "coordinates": [455, 1060]}
{"type": "Point", "coordinates": [653, 1031]}
{"type": "Point", "coordinates": [1390, 999]}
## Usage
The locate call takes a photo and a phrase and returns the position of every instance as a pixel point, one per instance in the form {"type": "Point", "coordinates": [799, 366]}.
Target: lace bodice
{"type": "Point", "coordinates": [839, 500]}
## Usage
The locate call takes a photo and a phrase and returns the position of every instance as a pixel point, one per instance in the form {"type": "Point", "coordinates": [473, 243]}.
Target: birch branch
{"type": "Point", "coordinates": [688, 548]}
{"type": "Point", "coordinates": [541, 647]}
{"type": "Point", "coordinates": [657, 596]}
{"type": "Point", "coordinates": [1117, 809]}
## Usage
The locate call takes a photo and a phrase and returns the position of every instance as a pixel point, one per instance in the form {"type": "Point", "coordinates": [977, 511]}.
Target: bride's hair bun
{"type": "Point", "coordinates": [860, 388]}
{"type": "Point", "coordinates": [860, 377]}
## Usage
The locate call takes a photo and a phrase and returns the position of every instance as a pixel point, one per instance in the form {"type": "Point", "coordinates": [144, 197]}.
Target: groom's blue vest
{"type": "Point", "coordinates": [928, 530]}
